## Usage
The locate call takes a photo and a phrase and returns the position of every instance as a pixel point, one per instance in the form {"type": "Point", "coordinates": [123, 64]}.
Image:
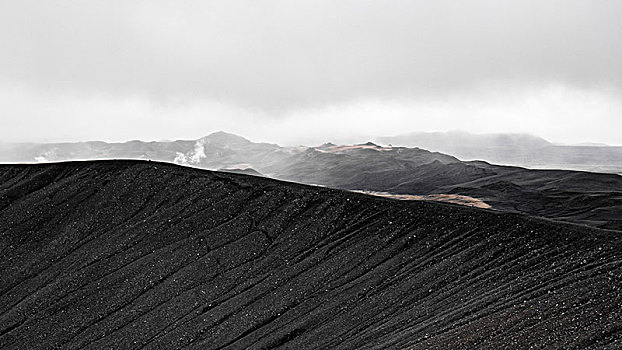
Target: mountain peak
{"type": "Point", "coordinates": [222, 137]}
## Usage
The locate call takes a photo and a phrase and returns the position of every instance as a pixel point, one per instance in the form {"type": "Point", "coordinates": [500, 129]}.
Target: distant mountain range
{"type": "Point", "coordinates": [580, 197]}
{"type": "Point", "coordinates": [515, 149]}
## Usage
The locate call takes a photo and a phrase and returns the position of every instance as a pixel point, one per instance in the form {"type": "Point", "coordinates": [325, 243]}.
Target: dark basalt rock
{"type": "Point", "coordinates": [133, 254]}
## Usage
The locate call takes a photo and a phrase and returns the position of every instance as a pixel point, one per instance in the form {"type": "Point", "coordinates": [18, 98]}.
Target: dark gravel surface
{"type": "Point", "coordinates": [133, 254]}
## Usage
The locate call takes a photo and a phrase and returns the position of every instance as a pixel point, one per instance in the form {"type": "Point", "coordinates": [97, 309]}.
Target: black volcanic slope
{"type": "Point", "coordinates": [132, 254]}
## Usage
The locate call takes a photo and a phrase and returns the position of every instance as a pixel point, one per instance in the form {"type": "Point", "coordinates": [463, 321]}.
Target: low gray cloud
{"type": "Point", "coordinates": [278, 59]}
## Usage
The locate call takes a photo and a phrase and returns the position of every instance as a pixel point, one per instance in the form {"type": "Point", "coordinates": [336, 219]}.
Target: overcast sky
{"type": "Point", "coordinates": [309, 71]}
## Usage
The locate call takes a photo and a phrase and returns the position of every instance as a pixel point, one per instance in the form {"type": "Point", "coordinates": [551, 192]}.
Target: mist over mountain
{"type": "Point", "coordinates": [516, 149]}
{"type": "Point", "coordinates": [508, 149]}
